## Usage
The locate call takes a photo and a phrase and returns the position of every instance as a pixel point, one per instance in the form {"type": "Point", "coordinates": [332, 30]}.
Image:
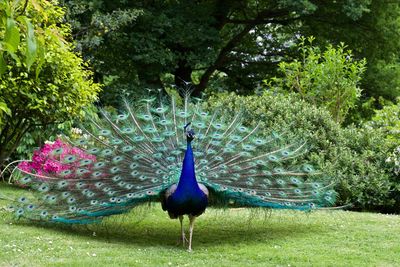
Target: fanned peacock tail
{"type": "Point", "coordinates": [133, 157]}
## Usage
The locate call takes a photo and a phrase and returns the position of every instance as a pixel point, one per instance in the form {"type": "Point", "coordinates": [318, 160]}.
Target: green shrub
{"type": "Point", "coordinates": [394, 160]}
{"type": "Point", "coordinates": [354, 158]}
{"type": "Point", "coordinates": [388, 119]}
{"type": "Point", "coordinates": [43, 83]}
{"type": "Point", "coordinates": [326, 78]}
{"type": "Point", "coordinates": [365, 178]}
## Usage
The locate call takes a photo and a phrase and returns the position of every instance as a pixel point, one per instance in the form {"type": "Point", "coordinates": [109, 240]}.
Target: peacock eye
{"type": "Point", "coordinates": [144, 152]}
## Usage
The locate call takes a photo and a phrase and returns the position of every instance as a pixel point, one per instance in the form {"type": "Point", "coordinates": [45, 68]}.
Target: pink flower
{"type": "Point", "coordinates": [51, 166]}
{"type": "Point", "coordinates": [47, 163]}
{"type": "Point", "coordinates": [25, 166]}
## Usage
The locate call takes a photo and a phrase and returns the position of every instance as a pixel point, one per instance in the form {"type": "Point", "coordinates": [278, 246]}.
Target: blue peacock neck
{"type": "Point", "coordinates": [187, 181]}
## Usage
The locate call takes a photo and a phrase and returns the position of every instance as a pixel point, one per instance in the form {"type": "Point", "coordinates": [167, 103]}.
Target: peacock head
{"type": "Point", "coordinates": [189, 132]}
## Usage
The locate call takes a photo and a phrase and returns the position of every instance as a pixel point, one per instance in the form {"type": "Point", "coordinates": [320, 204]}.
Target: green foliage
{"type": "Point", "coordinates": [44, 133]}
{"type": "Point", "coordinates": [15, 25]}
{"type": "Point", "coordinates": [384, 77]}
{"type": "Point", "coordinates": [394, 158]}
{"type": "Point", "coordinates": [4, 109]}
{"type": "Point", "coordinates": [39, 136]}
{"type": "Point", "coordinates": [373, 34]}
{"type": "Point", "coordinates": [388, 119]}
{"type": "Point", "coordinates": [364, 110]}
{"type": "Point", "coordinates": [365, 178]}
{"type": "Point", "coordinates": [354, 158]}
{"type": "Point", "coordinates": [329, 78]}
{"type": "Point", "coordinates": [44, 82]}
{"type": "Point", "coordinates": [220, 44]}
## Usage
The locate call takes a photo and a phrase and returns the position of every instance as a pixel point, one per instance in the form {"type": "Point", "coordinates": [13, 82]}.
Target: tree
{"type": "Point", "coordinates": [371, 31]}
{"type": "Point", "coordinates": [328, 78]}
{"type": "Point", "coordinates": [42, 81]}
{"type": "Point", "coordinates": [235, 44]}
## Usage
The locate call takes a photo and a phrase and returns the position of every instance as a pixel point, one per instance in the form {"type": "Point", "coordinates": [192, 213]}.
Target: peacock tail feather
{"type": "Point", "coordinates": [136, 155]}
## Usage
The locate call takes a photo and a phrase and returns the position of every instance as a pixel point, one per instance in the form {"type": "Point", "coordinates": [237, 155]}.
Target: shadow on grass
{"type": "Point", "coordinates": [208, 233]}
{"type": "Point", "coordinates": [148, 226]}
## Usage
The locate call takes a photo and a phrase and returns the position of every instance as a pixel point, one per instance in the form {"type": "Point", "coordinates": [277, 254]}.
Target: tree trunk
{"type": "Point", "coordinates": [183, 79]}
{"type": "Point", "coordinates": [10, 143]}
{"type": "Point", "coordinates": [183, 75]}
{"type": "Point", "coordinates": [3, 158]}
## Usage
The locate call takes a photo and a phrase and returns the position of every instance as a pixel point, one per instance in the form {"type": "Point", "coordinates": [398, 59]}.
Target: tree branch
{"type": "Point", "coordinates": [222, 56]}
{"type": "Point", "coordinates": [24, 8]}
{"type": "Point", "coordinates": [265, 16]}
{"type": "Point", "coordinates": [220, 59]}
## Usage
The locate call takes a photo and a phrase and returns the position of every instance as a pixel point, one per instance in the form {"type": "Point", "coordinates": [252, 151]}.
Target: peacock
{"type": "Point", "coordinates": [172, 150]}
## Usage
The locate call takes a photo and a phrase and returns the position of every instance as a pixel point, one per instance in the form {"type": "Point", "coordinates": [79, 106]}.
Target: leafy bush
{"type": "Point", "coordinates": [354, 158]}
{"type": "Point", "coordinates": [38, 136]}
{"type": "Point", "coordinates": [388, 119]}
{"type": "Point", "coordinates": [43, 82]}
{"type": "Point", "coordinates": [394, 158]}
{"type": "Point", "coordinates": [364, 176]}
{"type": "Point", "coordinates": [329, 78]}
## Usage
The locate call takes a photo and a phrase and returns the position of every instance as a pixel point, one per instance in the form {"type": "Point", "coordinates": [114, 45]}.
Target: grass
{"type": "Point", "coordinates": [237, 237]}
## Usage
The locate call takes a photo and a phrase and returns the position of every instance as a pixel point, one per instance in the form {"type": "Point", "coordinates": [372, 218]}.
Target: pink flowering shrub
{"type": "Point", "coordinates": [46, 161]}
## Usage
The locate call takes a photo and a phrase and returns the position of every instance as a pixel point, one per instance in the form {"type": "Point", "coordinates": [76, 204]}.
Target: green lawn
{"type": "Point", "coordinates": [237, 237]}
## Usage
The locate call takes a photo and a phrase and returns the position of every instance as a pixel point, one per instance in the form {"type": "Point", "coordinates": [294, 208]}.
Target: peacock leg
{"type": "Point", "coordinates": [183, 237]}
{"type": "Point", "coordinates": [191, 219]}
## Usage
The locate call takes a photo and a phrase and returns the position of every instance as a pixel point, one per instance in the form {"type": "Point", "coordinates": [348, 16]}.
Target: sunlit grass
{"type": "Point", "coordinates": [238, 237]}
